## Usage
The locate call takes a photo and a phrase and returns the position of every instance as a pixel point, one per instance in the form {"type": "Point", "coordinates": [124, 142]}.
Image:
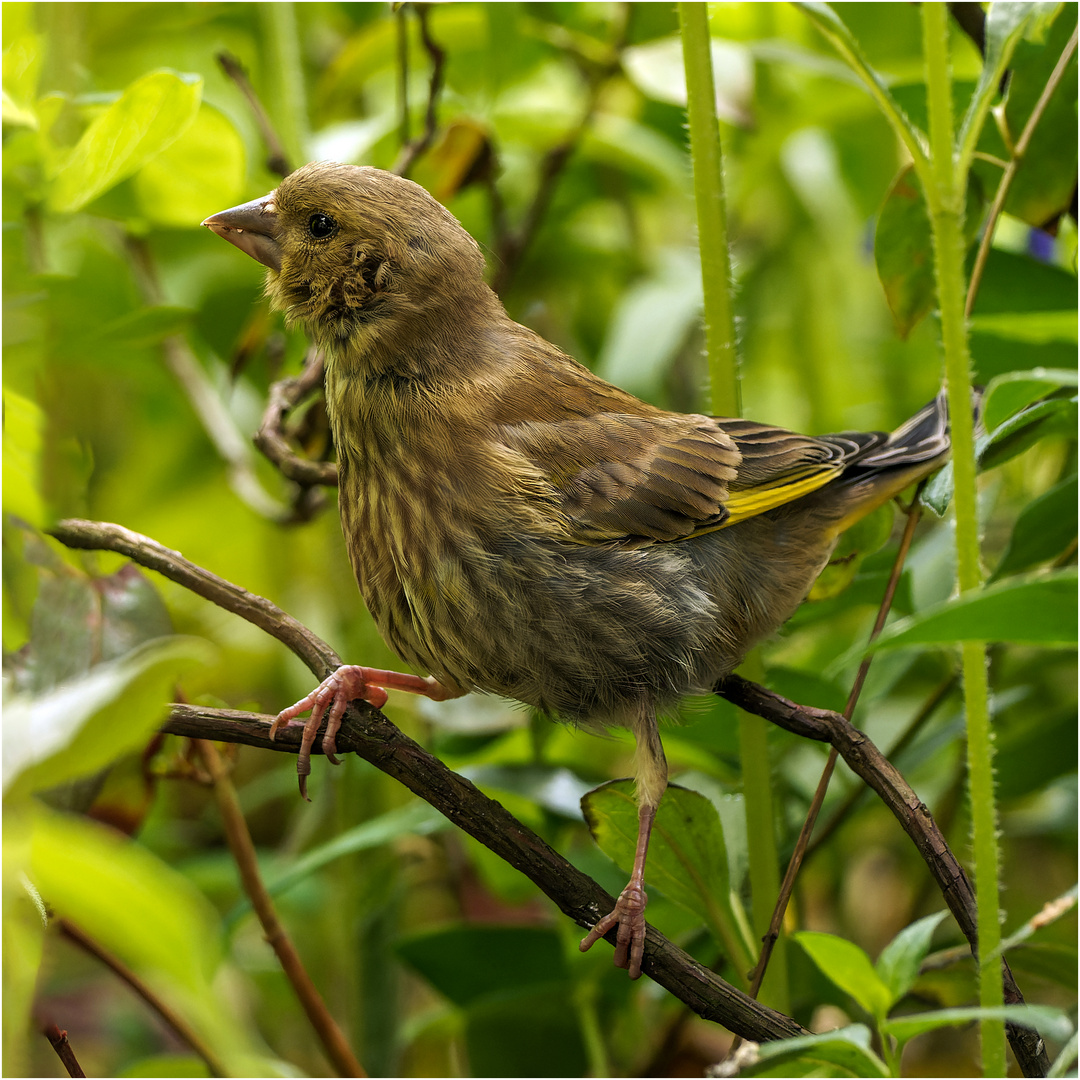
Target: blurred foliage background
{"type": "Point", "coordinates": [139, 353]}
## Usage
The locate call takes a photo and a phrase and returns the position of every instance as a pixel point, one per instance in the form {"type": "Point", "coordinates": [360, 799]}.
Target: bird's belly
{"type": "Point", "coordinates": [586, 633]}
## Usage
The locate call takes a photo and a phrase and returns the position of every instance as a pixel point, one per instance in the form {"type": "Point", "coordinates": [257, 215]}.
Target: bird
{"type": "Point", "coordinates": [521, 527]}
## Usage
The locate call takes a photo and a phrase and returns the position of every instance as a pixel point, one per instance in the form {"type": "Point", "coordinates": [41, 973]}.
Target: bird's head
{"type": "Point", "coordinates": [359, 256]}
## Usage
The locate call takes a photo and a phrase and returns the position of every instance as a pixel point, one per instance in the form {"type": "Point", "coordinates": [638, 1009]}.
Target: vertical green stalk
{"type": "Point", "coordinates": [711, 211]}
{"type": "Point", "coordinates": [726, 400]}
{"type": "Point", "coordinates": [285, 77]}
{"type": "Point", "coordinates": [945, 196]}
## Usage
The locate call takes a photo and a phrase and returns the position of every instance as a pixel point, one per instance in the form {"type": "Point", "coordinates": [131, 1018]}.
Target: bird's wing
{"type": "Point", "coordinates": [637, 479]}
{"type": "Point", "coordinates": [779, 466]}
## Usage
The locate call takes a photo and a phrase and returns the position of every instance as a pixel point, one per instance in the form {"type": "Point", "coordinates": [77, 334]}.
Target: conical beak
{"type": "Point", "coordinates": [253, 228]}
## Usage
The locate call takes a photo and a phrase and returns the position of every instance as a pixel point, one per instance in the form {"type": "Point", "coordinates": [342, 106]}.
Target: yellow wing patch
{"type": "Point", "coordinates": [757, 500]}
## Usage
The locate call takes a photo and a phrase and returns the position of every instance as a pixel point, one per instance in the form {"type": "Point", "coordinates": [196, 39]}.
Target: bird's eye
{"type": "Point", "coordinates": [321, 226]}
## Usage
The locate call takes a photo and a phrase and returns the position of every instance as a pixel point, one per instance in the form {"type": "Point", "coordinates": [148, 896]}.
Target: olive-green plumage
{"type": "Point", "coordinates": [516, 524]}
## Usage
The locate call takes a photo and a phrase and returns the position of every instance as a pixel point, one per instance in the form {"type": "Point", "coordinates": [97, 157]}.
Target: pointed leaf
{"type": "Point", "coordinates": [1049, 1022]}
{"type": "Point", "coordinates": [1008, 394]}
{"type": "Point", "coordinates": [1044, 529]}
{"type": "Point", "coordinates": [1039, 610]}
{"type": "Point", "coordinates": [153, 112]}
{"type": "Point", "coordinates": [849, 967]}
{"type": "Point", "coordinates": [510, 958]}
{"type": "Point", "coordinates": [82, 726]}
{"type": "Point", "coordinates": [848, 1048]}
{"type": "Point", "coordinates": [687, 855]}
{"type": "Point", "coordinates": [898, 964]}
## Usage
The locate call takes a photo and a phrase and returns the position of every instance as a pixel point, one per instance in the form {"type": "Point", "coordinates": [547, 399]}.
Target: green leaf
{"type": "Point", "coordinates": [1031, 327]}
{"type": "Point", "coordinates": [833, 27]}
{"type": "Point", "coordinates": [849, 967]}
{"type": "Point", "coordinates": [23, 423]}
{"type": "Point", "coordinates": [848, 1048]}
{"type": "Point", "coordinates": [86, 724]}
{"type": "Point", "coordinates": [147, 914]}
{"type": "Point", "coordinates": [1038, 610]}
{"type": "Point", "coordinates": [1050, 1023]}
{"type": "Point", "coordinates": [530, 1033]}
{"type": "Point", "coordinates": [1047, 419]}
{"type": "Point", "coordinates": [904, 250]}
{"type": "Point", "coordinates": [415, 819]}
{"type": "Point", "coordinates": [145, 326]}
{"type": "Point", "coordinates": [898, 964]}
{"type": "Point", "coordinates": [687, 854]}
{"type": "Point", "coordinates": [1008, 394]}
{"type": "Point", "coordinates": [1013, 282]}
{"type": "Point", "coordinates": [162, 1065]}
{"type": "Point", "coordinates": [25, 923]}
{"type": "Point", "coordinates": [1044, 529]}
{"type": "Point", "coordinates": [205, 167]}
{"type": "Point", "coordinates": [467, 963]}
{"type": "Point", "coordinates": [1046, 177]}
{"type": "Point", "coordinates": [152, 113]}
{"type": "Point", "coordinates": [1005, 25]}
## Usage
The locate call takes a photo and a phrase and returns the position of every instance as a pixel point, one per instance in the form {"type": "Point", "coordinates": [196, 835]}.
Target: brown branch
{"type": "Point", "coordinates": [243, 852]}
{"type": "Point", "coordinates": [866, 761]}
{"type": "Point", "coordinates": [367, 732]}
{"type": "Point", "coordinates": [1018, 152]}
{"type": "Point", "coordinates": [413, 149]}
{"type": "Point", "coordinates": [60, 1044]}
{"type": "Point", "coordinates": [271, 439]}
{"type": "Point", "coordinates": [277, 160]}
{"type": "Point", "coordinates": [929, 707]}
{"type": "Point", "coordinates": [172, 1019]}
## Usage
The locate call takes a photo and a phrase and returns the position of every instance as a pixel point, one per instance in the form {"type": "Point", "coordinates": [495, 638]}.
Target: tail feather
{"type": "Point", "coordinates": [911, 452]}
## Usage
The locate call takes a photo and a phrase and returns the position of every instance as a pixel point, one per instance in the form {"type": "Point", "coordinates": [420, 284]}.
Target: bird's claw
{"type": "Point", "coordinates": [346, 684]}
{"type": "Point", "coordinates": [629, 915]}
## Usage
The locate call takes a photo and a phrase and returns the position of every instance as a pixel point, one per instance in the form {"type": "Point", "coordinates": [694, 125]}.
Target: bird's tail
{"type": "Point", "coordinates": [911, 452]}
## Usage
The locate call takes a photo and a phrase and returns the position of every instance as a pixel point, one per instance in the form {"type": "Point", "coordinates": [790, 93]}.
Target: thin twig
{"type": "Point", "coordinates": [285, 395]}
{"type": "Point", "coordinates": [216, 421]}
{"type": "Point", "coordinates": [794, 864]}
{"type": "Point", "coordinates": [59, 1041]}
{"type": "Point", "coordinates": [415, 147]}
{"type": "Point", "coordinates": [276, 159]}
{"type": "Point", "coordinates": [929, 707]}
{"type": "Point", "coordinates": [1019, 150]}
{"type": "Point", "coordinates": [510, 245]}
{"type": "Point", "coordinates": [243, 852]}
{"type": "Point", "coordinates": [180, 1027]}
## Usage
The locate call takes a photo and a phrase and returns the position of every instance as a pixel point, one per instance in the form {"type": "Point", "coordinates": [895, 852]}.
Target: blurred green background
{"type": "Point", "coordinates": [138, 357]}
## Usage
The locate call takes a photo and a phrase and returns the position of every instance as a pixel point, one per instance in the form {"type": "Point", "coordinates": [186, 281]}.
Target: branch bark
{"type": "Point", "coordinates": [867, 762]}
{"type": "Point", "coordinates": [368, 733]}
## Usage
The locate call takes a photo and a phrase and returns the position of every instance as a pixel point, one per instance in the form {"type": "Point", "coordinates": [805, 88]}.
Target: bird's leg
{"type": "Point", "coordinates": [349, 683]}
{"type": "Point", "coordinates": [629, 910]}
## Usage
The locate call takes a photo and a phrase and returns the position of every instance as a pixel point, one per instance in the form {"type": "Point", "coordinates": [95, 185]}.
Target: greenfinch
{"type": "Point", "coordinates": [518, 525]}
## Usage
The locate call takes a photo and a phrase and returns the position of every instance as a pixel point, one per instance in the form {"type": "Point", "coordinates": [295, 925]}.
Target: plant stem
{"type": "Point", "coordinates": [945, 197]}
{"type": "Point", "coordinates": [725, 400]}
{"type": "Point", "coordinates": [711, 211]}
